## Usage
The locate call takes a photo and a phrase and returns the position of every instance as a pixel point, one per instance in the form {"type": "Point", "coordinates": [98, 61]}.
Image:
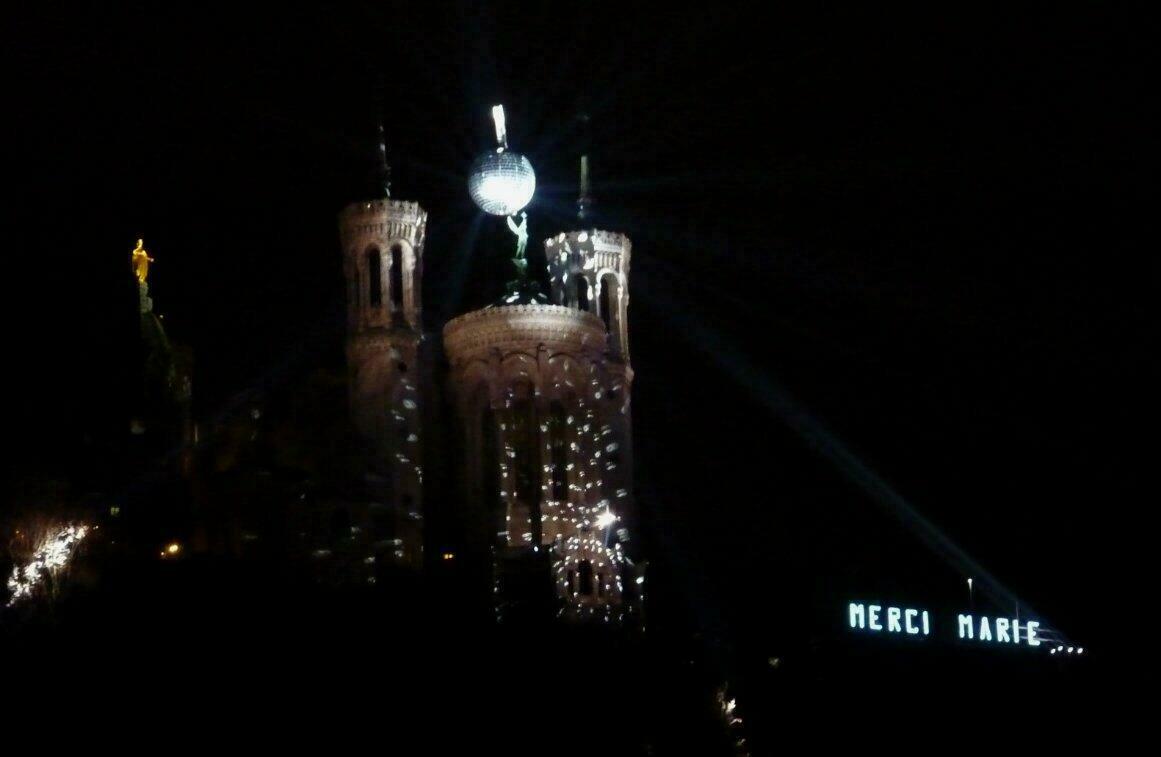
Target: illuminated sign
{"type": "Point", "coordinates": [911, 621]}
{"type": "Point", "coordinates": [1007, 631]}
{"type": "Point", "coordinates": [898, 619]}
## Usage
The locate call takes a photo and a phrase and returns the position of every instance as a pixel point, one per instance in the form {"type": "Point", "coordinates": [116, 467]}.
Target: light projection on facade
{"type": "Point", "coordinates": [537, 389]}
{"type": "Point", "coordinates": [383, 243]}
{"type": "Point", "coordinates": [544, 389]}
{"type": "Point", "coordinates": [536, 438]}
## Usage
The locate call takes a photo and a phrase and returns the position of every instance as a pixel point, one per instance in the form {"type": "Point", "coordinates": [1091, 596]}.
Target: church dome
{"type": "Point", "coordinates": [522, 328]}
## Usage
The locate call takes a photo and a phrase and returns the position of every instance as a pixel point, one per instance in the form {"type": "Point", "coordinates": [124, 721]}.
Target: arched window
{"type": "Point", "coordinates": [490, 463]}
{"type": "Point", "coordinates": [522, 434]}
{"type": "Point", "coordinates": [397, 280]}
{"type": "Point", "coordinates": [607, 302]}
{"type": "Point", "coordinates": [374, 278]}
{"type": "Point", "coordinates": [582, 293]}
{"type": "Point", "coordinates": [558, 444]}
{"type": "Point", "coordinates": [585, 574]}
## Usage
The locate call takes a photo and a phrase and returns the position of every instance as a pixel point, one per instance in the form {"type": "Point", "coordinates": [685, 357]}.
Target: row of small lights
{"type": "Point", "coordinates": [1058, 649]}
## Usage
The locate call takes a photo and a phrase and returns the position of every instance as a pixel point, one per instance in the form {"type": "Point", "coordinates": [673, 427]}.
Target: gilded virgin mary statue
{"type": "Point", "coordinates": [141, 261]}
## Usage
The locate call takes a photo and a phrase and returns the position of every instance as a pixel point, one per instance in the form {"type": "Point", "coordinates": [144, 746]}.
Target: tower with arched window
{"type": "Point", "coordinates": [382, 242]}
{"type": "Point", "coordinates": [589, 270]}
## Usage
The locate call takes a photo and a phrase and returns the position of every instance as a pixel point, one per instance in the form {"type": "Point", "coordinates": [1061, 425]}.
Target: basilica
{"type": "Point", "coordinates": [512, 424]}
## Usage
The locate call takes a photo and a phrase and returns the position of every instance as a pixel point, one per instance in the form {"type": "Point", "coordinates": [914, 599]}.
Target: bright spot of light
{"type": "Point", "coordinates": [50, 558]}
{"type": "Point", "coordinates": [606, 519]}
{"type": "Point", "coordinates": [502, 183]}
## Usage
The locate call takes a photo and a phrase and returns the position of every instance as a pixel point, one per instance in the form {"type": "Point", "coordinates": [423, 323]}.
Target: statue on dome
{"type": "Point", "coordinates": [521, 232]}
{"type": "Point", "coordinates": [141, 261]}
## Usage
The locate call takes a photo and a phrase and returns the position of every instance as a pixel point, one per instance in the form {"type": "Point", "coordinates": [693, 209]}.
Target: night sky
{"type": "Point", "coordinates": [918, 226]}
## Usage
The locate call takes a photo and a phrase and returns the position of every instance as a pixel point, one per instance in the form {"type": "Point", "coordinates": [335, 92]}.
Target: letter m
{"type": "Point", "coordinates": [965, 624]}
{"type": "Point", "coordinates": [858, 616]}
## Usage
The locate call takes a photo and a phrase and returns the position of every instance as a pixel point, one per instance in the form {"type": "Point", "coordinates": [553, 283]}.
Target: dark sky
{"type": "Point", "coordinates": [919, 225]}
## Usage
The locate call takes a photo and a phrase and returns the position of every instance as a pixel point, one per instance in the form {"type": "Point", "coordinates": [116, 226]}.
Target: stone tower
{"type": "Point", "coordinates": [382, 242]}
{"type": "Point", "coordinates": [589, 271]}
{"type": "Point", "coordinates": [542, 392]}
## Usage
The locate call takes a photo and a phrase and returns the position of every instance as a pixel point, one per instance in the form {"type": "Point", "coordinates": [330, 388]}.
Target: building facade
{"type": "Point", "coordinates": [382, 243]}
{"type": "Point", "coordinates": [537, 436]}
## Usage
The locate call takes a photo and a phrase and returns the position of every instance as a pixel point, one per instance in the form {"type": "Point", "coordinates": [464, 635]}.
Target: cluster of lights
{"type": "Point", "coordinates": [1061, 649]}
{"type": "Point", "coordinates": [407, 453]}
{"type": "Point", "coordinates": [51, 557]}
{"type": "Point", "coordinates": [560, 267]}
{"type": "Point", "coordinates": [733, 721]}
{"type": "Point", "coordinates": [578, 526]}
{"type": "Point", "coordinates": [592, 524]}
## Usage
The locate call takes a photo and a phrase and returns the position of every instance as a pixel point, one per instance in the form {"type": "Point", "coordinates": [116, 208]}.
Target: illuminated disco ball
{"type": "Point", "coordinates": [501, 183]}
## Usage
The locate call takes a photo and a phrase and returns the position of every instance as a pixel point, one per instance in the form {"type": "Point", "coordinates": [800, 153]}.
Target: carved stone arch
{"type": "Point", "coordinates": [610, 294]}
{"type": "Point", "coordinates": [576, 258]}
{"type": "Point", "coordinates": [407, 249]}
{"type": "Point", "coordinates": [373, 278]}
{"type": "Point", "coordinates": [402, 284]}
{"type": "Point", "coordinates": [518, 367]}
{"type": "Point", "coordinates": [476, 375]}
{"type": "Point", "coordinates": [607, 271]}
{"type": "Point", "coordinates": [565, 376]}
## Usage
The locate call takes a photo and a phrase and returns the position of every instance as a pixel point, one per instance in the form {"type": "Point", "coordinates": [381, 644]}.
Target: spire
{"type": "Point", "coordinates": [384, 168]}
{"type": "Point", "coordinates": [501, 128]}
{"type": "Point", "coordinates": [583, 201]}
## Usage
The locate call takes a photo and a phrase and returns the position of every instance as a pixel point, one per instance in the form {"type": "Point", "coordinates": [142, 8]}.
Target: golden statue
{"type": "Point", "coordinates": [141, 261]}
